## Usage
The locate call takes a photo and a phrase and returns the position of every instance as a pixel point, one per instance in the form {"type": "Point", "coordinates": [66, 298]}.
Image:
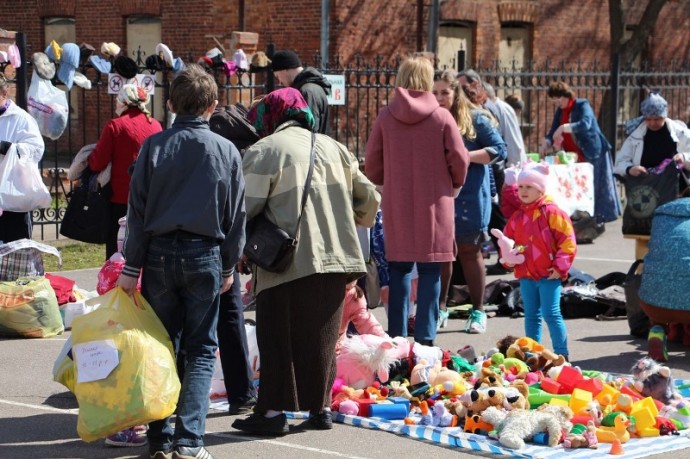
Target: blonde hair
{"type": "Point", "coordinates": [416, 73]}
{"type": "Point", "coordinates": [461, 108]}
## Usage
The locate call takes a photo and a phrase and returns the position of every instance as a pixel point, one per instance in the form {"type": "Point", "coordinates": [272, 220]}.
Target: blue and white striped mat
{"type": "Point", "coordinates": [455, 437]}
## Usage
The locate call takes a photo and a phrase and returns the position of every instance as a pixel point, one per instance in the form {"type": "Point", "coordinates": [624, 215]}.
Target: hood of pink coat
{"type": "Point", "coordinates": [411, 107]}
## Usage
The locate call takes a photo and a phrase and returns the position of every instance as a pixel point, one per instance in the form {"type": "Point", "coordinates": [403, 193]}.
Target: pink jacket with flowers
{"type": "Point", "coordinates": [546, 233]}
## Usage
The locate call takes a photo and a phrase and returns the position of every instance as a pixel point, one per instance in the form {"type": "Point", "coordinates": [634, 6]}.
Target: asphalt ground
{"type": "Point", "coordinates": [38, 416]}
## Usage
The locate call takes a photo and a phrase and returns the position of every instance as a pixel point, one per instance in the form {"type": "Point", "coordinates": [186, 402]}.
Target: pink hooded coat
{"type": "Point", "coordinates": [416, 152]}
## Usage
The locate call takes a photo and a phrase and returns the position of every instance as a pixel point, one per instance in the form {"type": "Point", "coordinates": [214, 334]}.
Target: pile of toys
{"type": "Point", "coordinates": [515, 393]}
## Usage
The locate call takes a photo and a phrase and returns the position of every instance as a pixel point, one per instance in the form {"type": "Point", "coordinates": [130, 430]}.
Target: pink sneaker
{"type": "Point", "coordinates": [136, 436]}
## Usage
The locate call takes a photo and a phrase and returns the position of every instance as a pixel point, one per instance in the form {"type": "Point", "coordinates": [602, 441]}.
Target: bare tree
{"type": "Point", "coordinates": [627, 50]}
{"type": "Point", "coordinates": [630, 49]}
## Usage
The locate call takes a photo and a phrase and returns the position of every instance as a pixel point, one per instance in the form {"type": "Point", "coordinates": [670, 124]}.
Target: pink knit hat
{"type": "Point", "coordinates": [535, 175]}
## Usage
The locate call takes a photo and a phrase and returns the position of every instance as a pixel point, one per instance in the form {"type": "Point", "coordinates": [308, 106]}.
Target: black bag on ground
{"type": "Point", "coordinates": [637, 320]}
{"type": "Point", "coordinates": [88, 211]}
{"type": "Point", "coordinates": [586, 227]}
{"type": "Point", "coordinates": [268, 246]}
{"type": "Point", "coordinates": [644, 194]}
{"type": "Point", "coordinates": [602, 298]}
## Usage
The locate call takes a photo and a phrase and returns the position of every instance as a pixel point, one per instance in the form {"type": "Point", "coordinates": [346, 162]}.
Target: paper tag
{"type": "Point", "coordinates": [95, 360]}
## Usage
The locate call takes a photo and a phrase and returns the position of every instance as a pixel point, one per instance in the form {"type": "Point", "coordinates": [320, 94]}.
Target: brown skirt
{"type": "Point", "coordinates": [297, 326]}
{"type": "Point", "coordinates": [663, 316]}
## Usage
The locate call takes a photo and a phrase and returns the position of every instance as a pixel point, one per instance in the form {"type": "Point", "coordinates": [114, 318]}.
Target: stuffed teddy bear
{"type": "Point", "coordinates": [516, 426]}
{"type": "Point", "coordinates": [511, 255]}
{"type": "Point", "coordinates": [476, 401]}
{"type": "Point", "coordinates": [654, 380]}
{"type": "Point", "coordinates": [488, 377]}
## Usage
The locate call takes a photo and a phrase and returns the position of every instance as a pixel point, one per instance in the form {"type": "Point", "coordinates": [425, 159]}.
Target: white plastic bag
{"type": "Point", "coordinates": [48, 105]}
{"type": "Point", "coordinates": [21, 186]}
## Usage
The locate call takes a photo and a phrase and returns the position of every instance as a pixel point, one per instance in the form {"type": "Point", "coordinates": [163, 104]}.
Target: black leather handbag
{"type": "Point", "coordinates": [87, 212]}
{"type": "Point", "coordinates": [270, 247]}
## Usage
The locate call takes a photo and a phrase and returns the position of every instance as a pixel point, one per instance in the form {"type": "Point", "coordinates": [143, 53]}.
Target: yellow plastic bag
{"type": "Point", "coordinates": [142, 385]}
{"type": "Point", "coordinates": [63, 368]}
{"type": "Point", "coordinates": [29, 309]}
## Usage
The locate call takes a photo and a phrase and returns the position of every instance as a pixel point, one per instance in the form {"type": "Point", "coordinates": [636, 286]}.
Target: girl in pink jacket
{"type": "Point", "coordinates": [355, 311]}
{"type": "Point", "coordinates": [545, 236]}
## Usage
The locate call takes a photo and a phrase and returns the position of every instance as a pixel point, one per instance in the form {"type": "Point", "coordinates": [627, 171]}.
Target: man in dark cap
{"type": "Point", "coordinates": [287, 67]}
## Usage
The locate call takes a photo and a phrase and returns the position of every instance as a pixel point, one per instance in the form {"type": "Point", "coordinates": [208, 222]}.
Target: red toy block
{"type": "Point", "coordinates": [550, 386]}
{"type": "Point", "coordinates": [567, 378]}
{"type": "Point", "coordinates": [631, 392]}
{"type": "Point", "coordinates": [364, 404]}
{"type": "Point", "coordinates": [592, 385]}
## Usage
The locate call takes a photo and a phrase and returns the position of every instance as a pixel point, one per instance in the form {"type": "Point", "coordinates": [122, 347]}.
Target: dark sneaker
{"type": "Point", "coordinates": [497, 270]}
{"type": "Point", "coordinates": [321, 421]}
{"type": "Point", "coordinates": [160, 455]}
{"type": "Point", "coordinates": [245, 407]}
{"type": "Point", "coordinates": [258, 424]}
{"type": "Point", "coordinates": [188, 452]}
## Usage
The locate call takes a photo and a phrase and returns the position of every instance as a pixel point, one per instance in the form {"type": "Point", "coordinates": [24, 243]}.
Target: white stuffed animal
{"type": "Point", "coordinates": [516, 426]}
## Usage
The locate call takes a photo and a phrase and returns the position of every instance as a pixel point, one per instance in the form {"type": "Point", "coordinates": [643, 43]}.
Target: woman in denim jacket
{"type": "Point", "coordinates": [479, 131]}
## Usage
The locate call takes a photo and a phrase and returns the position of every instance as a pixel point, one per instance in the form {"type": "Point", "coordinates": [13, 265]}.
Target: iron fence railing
{"type": "Point", "coordinates": [369, 86]}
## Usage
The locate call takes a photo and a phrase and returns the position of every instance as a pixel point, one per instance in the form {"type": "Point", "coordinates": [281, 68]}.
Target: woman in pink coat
{"type": "Point", "coordinates": [416, 153]}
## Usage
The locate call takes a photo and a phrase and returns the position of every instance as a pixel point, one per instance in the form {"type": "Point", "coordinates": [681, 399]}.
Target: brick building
{"type": "Point", "coordinates": [512, 32]}
{"type": "Point", "coordinates": [486, 29]}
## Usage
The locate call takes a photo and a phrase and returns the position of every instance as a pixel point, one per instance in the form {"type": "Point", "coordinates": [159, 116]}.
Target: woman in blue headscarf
{"type": "Point", "coordinates": [298, 311]}
{"type": "Point", "coordinates": [655, 139]}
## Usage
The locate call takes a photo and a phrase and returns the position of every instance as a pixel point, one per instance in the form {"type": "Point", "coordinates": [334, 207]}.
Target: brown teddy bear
{"type": "Point", "coordinates": [488, 377]}
{"type": "Point", "coordinates": [476, 401]}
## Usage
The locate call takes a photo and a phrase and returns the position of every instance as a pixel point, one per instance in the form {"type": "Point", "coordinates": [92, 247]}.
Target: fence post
{"type": "Point", "coordinates": [270, 80]}
{"type": "Point", "coordinates": [615, 84]}
{"type": "Point", "coordinates": [22, 73]}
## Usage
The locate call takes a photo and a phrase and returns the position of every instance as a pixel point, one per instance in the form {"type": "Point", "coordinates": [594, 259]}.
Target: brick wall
{"type": "Point", "coordinates": [561, 30]}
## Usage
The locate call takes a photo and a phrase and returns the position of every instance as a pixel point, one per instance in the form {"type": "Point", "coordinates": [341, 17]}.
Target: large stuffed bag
{"type": "Point", "coordinates": [29, 309]}
{"type": "Point", "coordinates": [125, 366]}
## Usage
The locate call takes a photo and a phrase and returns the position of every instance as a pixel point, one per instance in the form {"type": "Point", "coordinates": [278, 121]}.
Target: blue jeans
{"type": "Point", "coordinates": [428, 291]}
{"type": "Point", "coordinates": [542, 298]}
{"type": "Point", "coordinates": [181, 280]}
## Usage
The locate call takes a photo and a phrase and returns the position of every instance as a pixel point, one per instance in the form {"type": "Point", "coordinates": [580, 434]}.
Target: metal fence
{"type": "Point", "coordinates": [369, 86]}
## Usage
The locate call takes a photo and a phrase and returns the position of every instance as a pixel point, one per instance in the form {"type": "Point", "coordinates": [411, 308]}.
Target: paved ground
{"type": "Point", "coordinates": [38, 416]}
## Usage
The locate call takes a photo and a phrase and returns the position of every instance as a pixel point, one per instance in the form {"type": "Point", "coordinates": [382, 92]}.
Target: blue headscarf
{"type": "Point", "coordinates": [654, 105]}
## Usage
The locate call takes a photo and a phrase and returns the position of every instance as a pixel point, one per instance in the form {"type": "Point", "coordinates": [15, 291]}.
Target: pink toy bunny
{"type": "Point", "coordinates": [510, 255]}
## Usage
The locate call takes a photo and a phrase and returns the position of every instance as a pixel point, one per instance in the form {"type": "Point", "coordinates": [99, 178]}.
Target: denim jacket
{"type": "Point", "coordinates": [473, 204]}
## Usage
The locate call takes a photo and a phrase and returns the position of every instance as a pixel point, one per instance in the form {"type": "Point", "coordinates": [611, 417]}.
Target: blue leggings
{"type": "Point", "coordinates": [542, 298]}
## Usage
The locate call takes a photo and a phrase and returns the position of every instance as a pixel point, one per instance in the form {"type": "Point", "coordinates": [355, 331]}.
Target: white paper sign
{"type": "Point", "coordinates": [337, 95]}
{"type": "Point", "coordinates": [95, 360]}
{"type": "Point", "coordinates": [143, 80]}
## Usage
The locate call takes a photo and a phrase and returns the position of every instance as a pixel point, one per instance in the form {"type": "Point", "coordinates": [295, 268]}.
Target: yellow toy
{"type": "Point", "coordinates": [618, 432]}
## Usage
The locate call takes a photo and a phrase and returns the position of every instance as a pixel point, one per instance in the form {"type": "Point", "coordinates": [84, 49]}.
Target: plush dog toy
{"type": "Point", "coordinates": [363, 358]}
{"type": "Point", "coordinates": [514, 427]}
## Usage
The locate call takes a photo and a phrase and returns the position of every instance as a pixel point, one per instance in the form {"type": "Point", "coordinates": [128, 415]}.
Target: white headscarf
{"type": "Point", "coordinates": [133, 96]}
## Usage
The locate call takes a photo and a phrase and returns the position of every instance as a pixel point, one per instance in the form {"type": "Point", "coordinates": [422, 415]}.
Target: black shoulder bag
{"type": "Point", "coordinates": [268, 246]}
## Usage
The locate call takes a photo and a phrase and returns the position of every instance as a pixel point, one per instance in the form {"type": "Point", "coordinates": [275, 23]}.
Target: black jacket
{"type": "Point", "coordinates": [314, 88]}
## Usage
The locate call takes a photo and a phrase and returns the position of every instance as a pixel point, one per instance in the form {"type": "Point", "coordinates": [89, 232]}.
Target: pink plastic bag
{"type": "Point", "coordinates": [110, 272]}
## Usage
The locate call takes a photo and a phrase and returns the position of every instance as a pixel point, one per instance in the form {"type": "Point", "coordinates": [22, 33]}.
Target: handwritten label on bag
{"type": "Point", "coordinates": [95, 360]}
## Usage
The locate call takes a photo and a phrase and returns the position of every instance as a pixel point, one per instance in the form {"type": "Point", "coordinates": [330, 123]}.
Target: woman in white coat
{"type": "Point", "coordinates": [19, 134]}
{"type": "Point", "coordinates": [655, 139]}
